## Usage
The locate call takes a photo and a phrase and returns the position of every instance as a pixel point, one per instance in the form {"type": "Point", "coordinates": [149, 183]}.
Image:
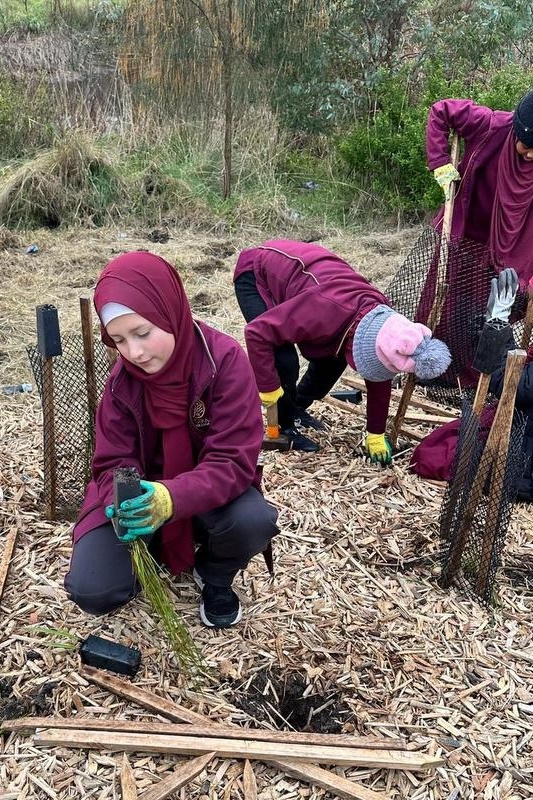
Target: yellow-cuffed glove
{"type": "Point", "coordinates": [144, 514]}
{"type": "Point", "coordinates": [269, 398]}
{"type": "Point", "coordinates": [445, 176]}
{"type": "Point", "coordinates": [378, 449]}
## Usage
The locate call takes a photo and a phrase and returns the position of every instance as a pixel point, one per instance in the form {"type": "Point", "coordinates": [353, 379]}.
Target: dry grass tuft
{"type": "Point", "coordinates": [57, 186]}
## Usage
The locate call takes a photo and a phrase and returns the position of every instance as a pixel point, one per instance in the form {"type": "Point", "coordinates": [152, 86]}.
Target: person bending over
{"type": "Point", "coordinates": [299, 295]}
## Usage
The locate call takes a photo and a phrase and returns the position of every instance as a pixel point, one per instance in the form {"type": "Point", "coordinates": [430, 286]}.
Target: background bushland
{"type": "Point", "coordinates": [231, 112]}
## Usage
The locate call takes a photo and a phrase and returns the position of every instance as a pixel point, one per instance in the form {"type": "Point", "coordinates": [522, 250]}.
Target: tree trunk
{"type": "Point", "coordinates": [227, 77]}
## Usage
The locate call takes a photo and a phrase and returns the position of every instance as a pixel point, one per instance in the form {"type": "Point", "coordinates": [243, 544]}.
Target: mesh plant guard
{"type": "Point", "coordinates": [473, 533]}
{"type": "Point", "coordinates": [67, 453]}
{"type": "Point", "coordinates": [468, 275]}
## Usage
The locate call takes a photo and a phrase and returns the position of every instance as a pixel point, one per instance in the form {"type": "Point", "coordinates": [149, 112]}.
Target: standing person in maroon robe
{"type": "Point", "coordinates": [492, 222]}
{"type": "Point", "coordinates": [494, 197]}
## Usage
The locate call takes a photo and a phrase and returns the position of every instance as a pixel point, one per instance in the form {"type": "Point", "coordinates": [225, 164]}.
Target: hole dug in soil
{"type": "Point", "coordinates": [12, 706]}
{"type": "Point", "coordinates": [279, 699]}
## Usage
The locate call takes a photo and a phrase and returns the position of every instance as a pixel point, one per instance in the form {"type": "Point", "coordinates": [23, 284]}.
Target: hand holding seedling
{"type": "Point", "coordinates": [143, 515]}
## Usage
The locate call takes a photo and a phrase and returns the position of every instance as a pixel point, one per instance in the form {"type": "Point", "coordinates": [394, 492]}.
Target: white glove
{"type": "Point", "coordinates": [502, 295]}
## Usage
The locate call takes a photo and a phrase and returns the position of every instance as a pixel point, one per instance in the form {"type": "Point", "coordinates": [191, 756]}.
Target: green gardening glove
{"type": "Point", "coordinates": [143, 515]}
{"type": "Point", "coordinates": [378, 448]}
{"type": "Point", "coordinates": [445, 176]}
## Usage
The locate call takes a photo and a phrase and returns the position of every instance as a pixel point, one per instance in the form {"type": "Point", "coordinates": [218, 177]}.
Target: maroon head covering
{"type": "Point", "coordinates": [149, 286]}
{"type": "Point", "coordinates": [511, 230]}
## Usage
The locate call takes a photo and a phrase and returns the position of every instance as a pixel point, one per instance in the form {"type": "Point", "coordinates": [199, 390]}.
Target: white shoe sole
{"type": "Point", "coordinates": [212, 624]}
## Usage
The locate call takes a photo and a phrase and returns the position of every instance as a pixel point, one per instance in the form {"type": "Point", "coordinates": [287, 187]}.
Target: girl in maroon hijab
{"type": "Point", "coordinates": [494, 198]}
{"type": "Point", "coordinates": [181, 407]}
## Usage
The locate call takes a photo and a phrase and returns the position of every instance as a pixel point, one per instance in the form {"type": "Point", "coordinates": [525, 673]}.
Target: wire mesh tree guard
{"type": "Point", "coordinates": [70, 374]}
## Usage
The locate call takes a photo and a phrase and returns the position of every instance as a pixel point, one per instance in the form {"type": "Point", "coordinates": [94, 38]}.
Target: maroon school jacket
{"type": "Point", "coordinates": [313, 297]}
{"type": "Point", "coordinates": [225, 424]}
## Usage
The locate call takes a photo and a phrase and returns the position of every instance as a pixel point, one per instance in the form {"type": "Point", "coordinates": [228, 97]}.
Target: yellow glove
{"type": "Point", "coordinates": [378, 449]}
{"type": "Point", "coordinates": [144, 514]}
{"type": "Point", "coordinates": [445, 176]}
{"type": "Point", "coordinates": [269, 398]}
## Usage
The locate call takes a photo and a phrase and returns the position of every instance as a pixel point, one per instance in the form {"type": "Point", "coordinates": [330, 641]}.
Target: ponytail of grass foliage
{"type": "Point", "coordinates": [189, 657]}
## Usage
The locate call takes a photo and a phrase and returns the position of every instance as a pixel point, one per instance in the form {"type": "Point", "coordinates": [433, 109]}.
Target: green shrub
{"type": "Point", "coordinates": [386, 153]}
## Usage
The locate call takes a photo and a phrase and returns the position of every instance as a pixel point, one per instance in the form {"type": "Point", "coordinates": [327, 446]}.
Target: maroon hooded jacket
{"type": "Point", "coordinates": [314, 300]}
{"type": "Point", "coordinates": [225, 424]}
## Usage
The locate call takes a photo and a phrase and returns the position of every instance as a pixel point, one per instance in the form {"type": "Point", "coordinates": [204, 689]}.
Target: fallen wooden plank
{"type": "Point", "coordinates": [307, 772]}
{"type": "Point", "coordinates": [178, 778]}
{"type": "Point", "coordinates": [336, 784]}
{"type": "Point", "coordinates": [7, 554]}
{"type": "Point", "coordinates": [127, 781]}
{"type": "Point", "coordinates": [416, 402]}
{"type": "Point", "coordinates": [144, 698]}
{"type": "Point", "coordinates": [410, 761]}
{"type": "Point", "coordinates": [205, 730]}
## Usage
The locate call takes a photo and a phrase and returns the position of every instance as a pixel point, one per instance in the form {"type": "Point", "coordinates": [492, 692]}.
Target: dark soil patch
{"type": "Point", "coordinates": [12, 707]}
{"type": "Point", "coordinates": [159, 235]}
{"type": "Point", "coordinates": [279, 699]}
{"type": "Point", "coordinates": [203, 302]}
{"type": "Point", "coordinates": [208, 266]}
{"type": "Point", "coordinates": [220, 249]}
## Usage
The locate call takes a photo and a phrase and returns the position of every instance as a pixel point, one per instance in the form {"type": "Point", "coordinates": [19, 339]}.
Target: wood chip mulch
{"type": "Point", "coordinates": [354, 616]}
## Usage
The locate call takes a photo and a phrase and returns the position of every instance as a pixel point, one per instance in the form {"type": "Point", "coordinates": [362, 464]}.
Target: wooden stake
{"type": "Point", "coordinates": [249, 782]}
{"type": "Point", "coordinates": [441, 290]}
{"type": "Point", "coordinates": [205, 730]}
{"type": "Point", "coordinates": [9, 549]}
{"type": "Point", "coordinates": [496, 496]}
{"type": "Point", "coordinates": [236, 748]}
{"type": "Point", "coordinates": [49, 346]}
{"type": "Point", "coordinates": [88, 356]}
{"type": "Point", "coordinates": [49, 439]}
{"type": "Point", "coordinates": [513, 369]}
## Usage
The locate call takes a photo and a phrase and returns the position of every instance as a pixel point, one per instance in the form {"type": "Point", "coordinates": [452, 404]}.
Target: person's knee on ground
{"type": "Point", "coordinates": [235, 534]}
{"type": "Point", "coordinates": [101, 577]}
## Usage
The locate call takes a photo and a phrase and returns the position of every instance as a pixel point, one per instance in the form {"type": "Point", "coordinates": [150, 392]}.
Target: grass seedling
{"type": "Point", "coordinates": [146, 569]}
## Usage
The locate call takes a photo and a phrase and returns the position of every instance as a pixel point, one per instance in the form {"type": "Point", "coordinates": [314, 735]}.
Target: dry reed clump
{"type": "Point", "coordinates": [8, 239]}
{"type": "Point", "coordinates": [59, 185]}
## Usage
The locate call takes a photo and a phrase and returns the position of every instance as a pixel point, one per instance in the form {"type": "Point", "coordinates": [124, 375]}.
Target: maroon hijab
{"type": "Point", "coordinates": [149, 286]}
{"type": "Point", "coordinates": [511, 233]}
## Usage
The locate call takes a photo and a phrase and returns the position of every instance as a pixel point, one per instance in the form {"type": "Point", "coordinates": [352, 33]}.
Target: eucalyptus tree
{"type": "Point", "coordinates": [210, 57]}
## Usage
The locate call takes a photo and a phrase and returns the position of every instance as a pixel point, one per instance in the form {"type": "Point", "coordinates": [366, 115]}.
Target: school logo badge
{"type": "Point", "coordinates": [199, 419]}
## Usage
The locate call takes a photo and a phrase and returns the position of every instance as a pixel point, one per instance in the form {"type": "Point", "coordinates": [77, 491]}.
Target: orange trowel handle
{"type": "Point", "coordinates": [272, 427]}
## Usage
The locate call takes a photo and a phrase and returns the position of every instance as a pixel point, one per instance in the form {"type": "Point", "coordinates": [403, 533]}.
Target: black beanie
{"type": "Point", "coordinates": [523, 120]}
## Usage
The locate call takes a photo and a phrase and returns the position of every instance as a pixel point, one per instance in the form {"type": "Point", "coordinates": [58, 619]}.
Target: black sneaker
{"type": "Point", "coordinates": [306, 420]}
{"type": "Point", "coordinates": [219, 607]}
{"type": "Point", "coordinates": [298, 441]}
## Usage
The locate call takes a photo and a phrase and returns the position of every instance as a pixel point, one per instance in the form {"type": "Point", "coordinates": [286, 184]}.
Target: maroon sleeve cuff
{"type": "Point", "coordinates": [378, 395]}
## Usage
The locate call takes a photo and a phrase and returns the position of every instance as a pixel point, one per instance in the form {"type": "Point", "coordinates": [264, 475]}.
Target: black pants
{"type": "Point", "coordinates": [101, 576]}
{"type": "Point", "coordinates": [321, 373]}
